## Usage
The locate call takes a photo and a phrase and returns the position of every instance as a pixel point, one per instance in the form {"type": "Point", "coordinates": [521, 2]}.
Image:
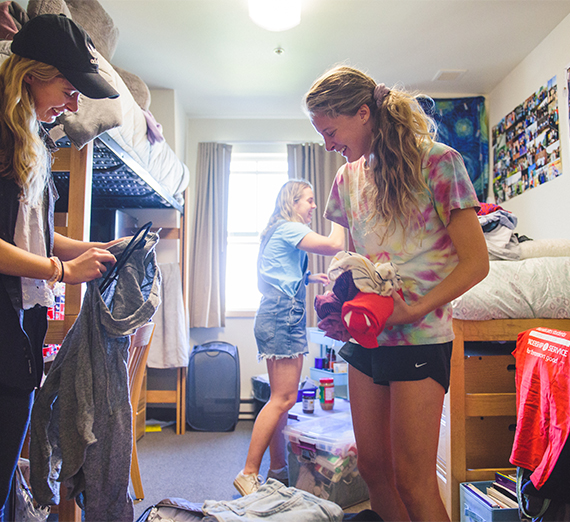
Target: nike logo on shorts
{"type": "Point", "coordinates": [420, 364]}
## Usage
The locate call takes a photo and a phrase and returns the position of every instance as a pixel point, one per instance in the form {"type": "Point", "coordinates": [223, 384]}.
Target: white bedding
{"type": "Point", "coordinates": [123, 120]}
{"type": "Point", "coordinates": [535, 287]}
{"type": "Point", "coordinates": [158, 159]}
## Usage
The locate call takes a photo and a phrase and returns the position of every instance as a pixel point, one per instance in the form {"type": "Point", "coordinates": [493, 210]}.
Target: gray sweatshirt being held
{"type": "Point", "coordinates": [81, 425]}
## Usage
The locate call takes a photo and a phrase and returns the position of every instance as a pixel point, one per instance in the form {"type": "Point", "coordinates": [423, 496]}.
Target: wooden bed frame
{"type": "Point", "coordinates": [479, 415]}
{"type": "Point", "coordinates": [76, 224]}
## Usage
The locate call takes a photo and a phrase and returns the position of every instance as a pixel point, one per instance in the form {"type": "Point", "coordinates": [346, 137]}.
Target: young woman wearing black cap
{"type": "Point", "coordinates": [52, 63]}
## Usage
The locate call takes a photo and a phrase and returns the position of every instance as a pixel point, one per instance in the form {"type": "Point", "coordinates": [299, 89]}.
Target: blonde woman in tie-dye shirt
{"type": "Point", "coordinates": [406, 199]}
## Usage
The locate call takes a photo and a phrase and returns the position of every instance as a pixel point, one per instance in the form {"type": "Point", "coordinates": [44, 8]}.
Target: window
{"type": "Point", "coordinates": [255, 180]}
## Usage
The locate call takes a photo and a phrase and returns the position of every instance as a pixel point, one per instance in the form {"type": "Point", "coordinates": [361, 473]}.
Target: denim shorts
{"type": "Point", "coordinates": [280, 325]}
{"type": "Point", "coordinates": [275, 502]}
{"type": "Point", "coordinates": [401, 363]}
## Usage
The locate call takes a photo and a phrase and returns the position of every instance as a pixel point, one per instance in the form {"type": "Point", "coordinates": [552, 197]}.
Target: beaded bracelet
{"type": "Point", "coordinates": [57, 270]}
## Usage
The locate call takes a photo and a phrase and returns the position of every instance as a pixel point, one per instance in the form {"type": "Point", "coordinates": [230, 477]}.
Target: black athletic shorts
{"type": "Point", "coordinates": [401, 363]}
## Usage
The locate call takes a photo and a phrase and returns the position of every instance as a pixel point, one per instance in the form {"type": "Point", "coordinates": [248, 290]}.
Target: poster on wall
{"type": "Point", "coordinates": [462, 124]}
{"type": "Point", "coordinates": [526, 145]}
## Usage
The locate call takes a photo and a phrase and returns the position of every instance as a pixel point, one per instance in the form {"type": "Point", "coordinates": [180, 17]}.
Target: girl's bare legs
{"type": "Point", "coordinates": [397, 433]}
{"type": "Point", "coordinates": [277, 446]}
{"type": "Point", "coordinates": [370, 407]}
{"type": "Point", "coordinates": [284, 375]}
{"type": "Point", "coordinates": [416, 417]}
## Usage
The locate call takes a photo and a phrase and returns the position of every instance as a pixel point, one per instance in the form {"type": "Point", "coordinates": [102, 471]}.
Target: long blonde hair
{"type": "Point", "coordinates": [23, 154]}
{"type": "Point", "coordinates": [402, 131]}
{"type": "Point", "coordinates": [289, 194]}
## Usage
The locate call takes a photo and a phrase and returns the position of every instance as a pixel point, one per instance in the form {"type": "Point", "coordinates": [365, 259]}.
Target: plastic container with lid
{"type": "Point", "coordinates": [332, 434]}
{"type": "Point", "coordinates": [322, 459]}
{"type": "Point", "coordinates": [326, 393]}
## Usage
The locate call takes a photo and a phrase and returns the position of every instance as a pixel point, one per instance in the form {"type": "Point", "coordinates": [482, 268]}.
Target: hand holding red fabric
{"type": "Point", "coordinates": [365, 317]}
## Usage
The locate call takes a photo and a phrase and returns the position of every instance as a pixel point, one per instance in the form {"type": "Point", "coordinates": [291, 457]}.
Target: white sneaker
{"type": "Point", "coordinates": [247, 484]}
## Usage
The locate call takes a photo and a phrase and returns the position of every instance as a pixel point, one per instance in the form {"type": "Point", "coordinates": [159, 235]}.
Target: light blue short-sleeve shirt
{"type": "Point", "coordinates": [282, 264]}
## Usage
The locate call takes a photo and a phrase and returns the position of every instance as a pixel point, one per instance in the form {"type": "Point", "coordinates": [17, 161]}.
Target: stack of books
{"type": "Point", "coordinates": [502, 493]}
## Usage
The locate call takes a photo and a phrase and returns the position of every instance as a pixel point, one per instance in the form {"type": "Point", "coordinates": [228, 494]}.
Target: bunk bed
{"type": "Point", "coordinates": [479, 415]}
{"type": "Point", "coordinates": [97, 176]}
{"type": "Point", "coordinates": [110, 172]}
{"type": "Point", "coordinates": [103, 175]}
{"type": "Point", "coordinates": [133, 166]}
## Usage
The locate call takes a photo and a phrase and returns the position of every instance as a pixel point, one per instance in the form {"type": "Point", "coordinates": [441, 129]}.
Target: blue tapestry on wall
{"type": "Point", "coordinates": [462, 124]}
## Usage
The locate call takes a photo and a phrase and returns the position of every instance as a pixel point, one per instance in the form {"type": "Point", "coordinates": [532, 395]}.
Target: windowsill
{"type": "Point", "coordinates": [240, 313]}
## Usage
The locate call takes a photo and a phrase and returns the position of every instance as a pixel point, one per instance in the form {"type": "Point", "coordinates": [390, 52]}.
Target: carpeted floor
{"type": "Point", "coordinates": [196, 466]}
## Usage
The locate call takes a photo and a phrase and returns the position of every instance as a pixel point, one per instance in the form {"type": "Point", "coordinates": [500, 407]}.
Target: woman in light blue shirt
{"type": "Point", "coordinates": [280, 322]}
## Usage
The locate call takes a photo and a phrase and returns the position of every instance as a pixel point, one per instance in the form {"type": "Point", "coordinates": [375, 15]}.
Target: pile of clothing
{"type": "Point", "coordinates": [498, 227]}
{"type": "Point", "coordinates": [361, 299]}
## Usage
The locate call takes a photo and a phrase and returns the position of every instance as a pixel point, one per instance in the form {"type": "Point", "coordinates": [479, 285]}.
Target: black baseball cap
{"type": "Point", "coordinates": [59, 41]}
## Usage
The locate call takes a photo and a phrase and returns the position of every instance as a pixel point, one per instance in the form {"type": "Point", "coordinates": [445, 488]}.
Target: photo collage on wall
{"type": "Point", "coordinates": [526, 145]}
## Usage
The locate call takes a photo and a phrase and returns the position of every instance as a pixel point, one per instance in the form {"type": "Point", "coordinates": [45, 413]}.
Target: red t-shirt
{"type": "Point", "coordinates": [543, 401]}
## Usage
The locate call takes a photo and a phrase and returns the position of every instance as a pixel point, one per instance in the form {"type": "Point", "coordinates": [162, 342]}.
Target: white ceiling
{"type": "Point", "coordinates": [222, 65]}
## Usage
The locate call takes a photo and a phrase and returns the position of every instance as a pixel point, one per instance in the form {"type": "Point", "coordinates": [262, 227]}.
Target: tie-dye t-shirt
{"type": "Point", "coordinates": [428, 254]}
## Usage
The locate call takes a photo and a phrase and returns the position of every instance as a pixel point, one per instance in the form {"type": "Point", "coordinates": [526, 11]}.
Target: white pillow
{"type": "Point", "coordinates": [545, 248]}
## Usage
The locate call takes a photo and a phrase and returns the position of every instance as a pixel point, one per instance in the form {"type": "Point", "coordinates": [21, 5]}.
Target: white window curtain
{"type": "Point", "coordinates": [312, 162]}
{"type": "Point", "coordinates": [209, 238]}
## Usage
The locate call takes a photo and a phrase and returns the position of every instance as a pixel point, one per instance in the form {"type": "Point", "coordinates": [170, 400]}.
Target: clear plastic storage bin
{"type": "Point", "coordinates": [322, 459]}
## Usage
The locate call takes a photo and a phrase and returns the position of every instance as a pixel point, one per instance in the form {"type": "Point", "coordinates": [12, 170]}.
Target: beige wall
{"type": "Point", "coordinates": [543, 212]}
{"type": "Point", "coordinates": [167, 110]}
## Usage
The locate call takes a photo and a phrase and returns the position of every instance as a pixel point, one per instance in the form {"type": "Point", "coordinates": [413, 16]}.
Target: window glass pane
{"type": "Point", "coordinates": [242, 207]}
{"type": "Point", "coordinates": [255, 180]}
{"type": "Point", "coordinates": [272, 166]}
{"type": "Point", "coordinates": [241, 277]}
{"type": "Point", "coordinates": [269, 186]}
{"type": "Point", "coordinates": [243, 166]}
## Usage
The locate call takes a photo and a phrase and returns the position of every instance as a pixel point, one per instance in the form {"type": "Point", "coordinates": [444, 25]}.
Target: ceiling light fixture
{"type": "Point", "coordinates": [275, 15]}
